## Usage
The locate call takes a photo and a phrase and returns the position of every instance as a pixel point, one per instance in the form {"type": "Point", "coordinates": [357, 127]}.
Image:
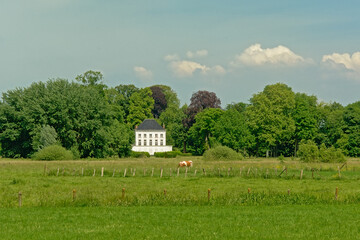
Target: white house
{"type": "Point", "coordinates": [150, 137]}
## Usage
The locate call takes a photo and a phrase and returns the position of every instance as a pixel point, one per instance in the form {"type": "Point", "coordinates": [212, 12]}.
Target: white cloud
{"type": "Point", "coordinates": [143, 73]}
{"type": "Point", "coordinates": [171, 57]}
{"type": "Point", "coordinates": [187, 68]}
{"type": "Point", "coordinates": [349, 62]}
{"type": "Point", "coordinates": [199, 53]}
{"type": "Point", "coordinates": [255, 55]}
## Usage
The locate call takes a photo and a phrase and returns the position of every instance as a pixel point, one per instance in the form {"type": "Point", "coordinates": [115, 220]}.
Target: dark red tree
{"type": "Point", "coordinates": [160, 103]}
{"type": "Point", "coordinates": [199, 101]}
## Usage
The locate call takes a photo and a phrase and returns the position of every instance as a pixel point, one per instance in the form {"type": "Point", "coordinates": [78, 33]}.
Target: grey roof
{"type": "Point", "coordinates": [150, 124]}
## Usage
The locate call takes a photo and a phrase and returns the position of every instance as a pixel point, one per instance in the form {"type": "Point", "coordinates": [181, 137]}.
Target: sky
{"type": "Point", "coordinates": [232, 47]}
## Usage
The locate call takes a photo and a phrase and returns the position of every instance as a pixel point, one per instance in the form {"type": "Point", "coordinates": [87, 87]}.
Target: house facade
{"type": "Point", "coordinates": [150, 137]}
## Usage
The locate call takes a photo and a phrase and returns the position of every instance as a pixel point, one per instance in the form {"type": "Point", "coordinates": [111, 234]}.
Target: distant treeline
{"type": "Point", "coordinates": [93, 120]}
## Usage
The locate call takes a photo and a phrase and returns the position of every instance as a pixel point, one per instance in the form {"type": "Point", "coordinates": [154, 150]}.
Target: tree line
{"type": "Point", "coordinates": [93, 120]}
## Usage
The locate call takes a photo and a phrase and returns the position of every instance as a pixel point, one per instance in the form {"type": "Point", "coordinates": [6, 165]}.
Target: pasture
{"type": "Point", "coordinates": [149, 198]}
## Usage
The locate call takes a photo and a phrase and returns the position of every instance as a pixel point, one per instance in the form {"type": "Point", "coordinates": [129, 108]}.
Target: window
{"type": "Point", "coordinates": [162, 142]}
{"type": "Point", "coordinates": [156, 142]}
{"type": "Point", "coordinates": [150, 142]}
{"type": "Point", "coordinates": [145, 142]}
{"type": "Point", "coordinates": [139, 135]}
{"type": "Point", "coordinates": [161, 135]}
{"type": "Point", "coordinates": [150, 135]}
{"type": "Point", "coordinates": [139, 144]}
{"type": "Point", "coordinates": [144, 135]}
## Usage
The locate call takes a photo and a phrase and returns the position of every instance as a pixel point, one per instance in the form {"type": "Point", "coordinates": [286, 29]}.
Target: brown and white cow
{"type": "Point", "coordinates": [185, 164]}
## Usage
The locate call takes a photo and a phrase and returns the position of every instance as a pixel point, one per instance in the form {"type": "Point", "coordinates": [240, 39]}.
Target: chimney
{"type": "Point", "coordinates": [135, 126]}
{"type": "Point", "coordinates": [163, 125]}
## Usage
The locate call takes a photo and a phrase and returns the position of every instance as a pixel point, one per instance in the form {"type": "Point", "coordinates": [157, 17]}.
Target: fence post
{"type": "Point", "coordinates": [102, 171]}
{"type": "Point", "coordinates": [301, 174]}
{"type": "Point", "coordinates": [113, 172]}
{"type": "Point", "coordinates": [82, 171]}
{"type": "Point", "coordinates": [125, 172]}
{"type": "Point", "coordinates": [336, 193]}
{"type": "Point", "coordinates": [152, 172]}
{"type": "Point", "coordinates": [195, 172]}
{"type": "Point", "coordinates": [209, 193]}
{"type": "Point", "coordinates": [123, 193]}
{"type": "Point", "coordinates": [134, 173]}
{"type": "Point", "coordinates": [178, 169]}
{"type": "Point", "coordinates": [74, 194]}
{"type": "Point", "coordinates": [288, 191]}
{"type": "Point", "coordinates": [249, 190]}
{"type": "Point", "coordinates": [165, 193]}
{"type": "Point", "coordinates": [94, 172]}
{"type": "Point", "coordinates": [20, 199]}
{"type": "Point", "coordinates": [161, 172]}
{"type": "Point", "coordinates": [57, 173]}
{"type": "Point", "coordinates": [186, 169]}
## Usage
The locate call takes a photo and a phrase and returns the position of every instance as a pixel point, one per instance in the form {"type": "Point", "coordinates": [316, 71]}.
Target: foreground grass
{"type": "Point", "coordinates": [179, 222]}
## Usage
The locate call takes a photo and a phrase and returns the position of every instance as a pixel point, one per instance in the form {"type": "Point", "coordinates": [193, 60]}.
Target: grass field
{"type": "Point", "coordinates": [254, 199]}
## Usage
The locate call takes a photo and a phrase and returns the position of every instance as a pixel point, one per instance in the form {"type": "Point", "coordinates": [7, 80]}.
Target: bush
{"type": "Point", "coordinates": [171, 154]}
{"type": "Point", "coordinates": [222, 153]}
{"type": "Point", "coordinates": [308, 151]}
{"type": "Point", "coordinates": [139, 154]}
{"type": "Point", "coordinates": [331, 154]}
{"type": "Point", "coordinates": [53, 152]}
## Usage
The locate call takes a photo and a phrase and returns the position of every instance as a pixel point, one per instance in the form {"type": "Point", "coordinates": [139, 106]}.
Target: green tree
{"type": "Point", "coordinates": [140, 105]}
{"type": "Point", "coordinates": [45, 136]}
{"type": "Point", "coordinates": [201, 134]}
{"type": "Point", "coordinates": [306, 118]}
{"type": "Point", "coordinates": [270, 119]}
{"type": "Point", "coordinates": [231, 130]}
{"type": "Point", "coordinates": [352, 129]}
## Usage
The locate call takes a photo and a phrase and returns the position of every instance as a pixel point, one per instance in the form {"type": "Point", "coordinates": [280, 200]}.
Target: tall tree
{"type": "Point", "coordinates": [160, 103]}
{"type": "Point", "coordinates": [141, 104]}
{"type": "Point", "coordinates": [270, 118]}
{"type": "Point", "coordinates": [352, 129]}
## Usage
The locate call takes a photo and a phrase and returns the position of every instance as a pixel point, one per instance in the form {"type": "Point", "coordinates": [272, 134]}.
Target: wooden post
{"type": "Point", "coordinates": [336, 193]}
{"type": "Point", "coordinates": [248, 171]}
{"type": "Point", "coordinates": [195, 172]}
{"type": "Point", "coordinates": [134, 173]}
{"type": "Point", "coordinates": [20, 199]}
{"type": "Point", "coordinates": [249, 190]}
{"type": "Point", "coordinates": [301, 174]}
{"type": "Point", "coordinates": [102, 171]}
{"type": "Point", "coordinates": [288, 191]}
{"type": "Point", "coordinates": [209, 193]}
{"type": "Point", "coordinates": [74, 194]}
{"type": "Point", "coordinates": [186, 169]}
{"type": "Point", "coordinates": [57, 173]}
{"type": "Point", "coordinates": [113, 173]}
{"type": "Point", "coordinates": [125, 172]}
{"type": "Point", "coordinates": [123, 193]}
{"type": "Point", "coordinates": [161, 172]}
{"type": "Point", "coordinates": [82, 171]}
{"type": "Point", "coordinates": [178, 172]}
{"type": "Point", "coordinates": [228, 173]}
{"type": "Point", "coordinates": [144, 172]}
{"type": "Point", "coordinates": [164, 192]}
{"type": "Point", "coordinates": [94, 172]}
{"type": "Point", "coordinates": [339, 172]}
{"type": "Point", "coordinates": [131, 171]}
{"type": "Point", "coordinates": [152, 172]}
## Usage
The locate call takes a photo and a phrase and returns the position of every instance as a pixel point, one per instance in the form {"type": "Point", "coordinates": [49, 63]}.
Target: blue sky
{"type": "Point", "coordinates": [234, 48]}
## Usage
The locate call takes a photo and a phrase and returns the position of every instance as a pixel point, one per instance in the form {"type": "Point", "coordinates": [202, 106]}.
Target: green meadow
{"type": "Point", "coordinates": [150, 198]}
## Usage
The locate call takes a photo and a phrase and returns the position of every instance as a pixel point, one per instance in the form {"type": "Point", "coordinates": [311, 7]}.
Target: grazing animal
{"type": "Point", "coordinates": [185, 164]}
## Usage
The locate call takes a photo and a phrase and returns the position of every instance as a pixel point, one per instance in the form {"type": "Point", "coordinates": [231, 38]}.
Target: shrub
{"type": "Point", "coordinates": [139, 154]}
{"type": "Point", "coordinates": [308, 151]}
{"type": "Point", "coordinates": [53, 152]}
{"type": "Point", "coordinates": [222, 153]}
{"type": "Point", "coordinates": [171, 154]}
{"type": "Point", "coordinates": [331, 154]}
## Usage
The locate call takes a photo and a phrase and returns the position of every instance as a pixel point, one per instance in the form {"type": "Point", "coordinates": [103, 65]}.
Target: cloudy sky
{"type": "Point", "coordinates": [232, 47]}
